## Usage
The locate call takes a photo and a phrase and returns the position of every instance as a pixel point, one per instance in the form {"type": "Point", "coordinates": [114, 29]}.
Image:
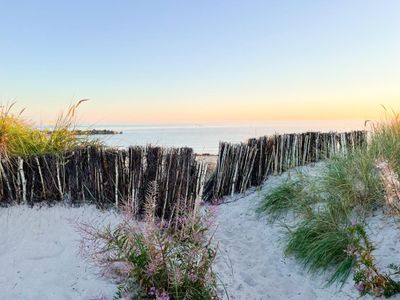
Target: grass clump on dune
{"type": "Point", "coordinates": [288, 196]}
{"type": "Point", "coordinates": [319, 243]}
{"type": "Point", "coordinates": [349, 188]}
{"type": "Point", "coordinates": [354, 180]}
{"type": "Point", "coordinates": [385, 142]}
{"type": "Point", "coordinates": [19, 136]}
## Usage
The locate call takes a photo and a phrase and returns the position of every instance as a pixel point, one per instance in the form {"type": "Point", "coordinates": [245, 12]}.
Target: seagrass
{"type": "Point", "coordinates": [243, 165]}
{"type": "Point", "coordinates": [107, 177]}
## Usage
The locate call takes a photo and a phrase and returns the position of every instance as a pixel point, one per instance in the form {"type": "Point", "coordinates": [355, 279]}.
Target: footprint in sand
{"type": "Point", "coordinates": [248, 279]}
{"type": "Point", "coordinates": [45, 251]}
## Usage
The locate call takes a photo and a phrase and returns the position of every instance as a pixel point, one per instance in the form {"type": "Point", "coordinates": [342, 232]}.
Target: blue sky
{"type": "Point", "coordinates": [200, 61]}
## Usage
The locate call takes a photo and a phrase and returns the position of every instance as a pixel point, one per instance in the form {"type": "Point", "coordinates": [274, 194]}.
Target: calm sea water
{"type": "Point", "coordinates": [206, 138]}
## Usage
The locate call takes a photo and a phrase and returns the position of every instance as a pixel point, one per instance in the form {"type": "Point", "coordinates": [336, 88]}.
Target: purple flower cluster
{"type": "Point", "coordinates": [163, 296]}
{"type": "Point", "coordinates": [152, 291]}
{"type": "Point", "coordinates": [360, 287]}
{"type": "Point", "coordinates": [193, 277]}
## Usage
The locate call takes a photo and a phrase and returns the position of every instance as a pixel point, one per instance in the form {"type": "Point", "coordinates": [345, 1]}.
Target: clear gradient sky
{"type": "Point", "coordinates": [201, 61]}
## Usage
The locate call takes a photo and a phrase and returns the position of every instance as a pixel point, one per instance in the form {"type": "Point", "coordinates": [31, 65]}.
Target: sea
{"type": "Point", "coordinates": [205, 138]}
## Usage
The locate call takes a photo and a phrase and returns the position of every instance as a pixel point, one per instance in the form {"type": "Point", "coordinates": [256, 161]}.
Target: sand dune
{"type": "Point", "coordinates": [252, 262]}
{"type": "Point", "coordinates": [39, 253]}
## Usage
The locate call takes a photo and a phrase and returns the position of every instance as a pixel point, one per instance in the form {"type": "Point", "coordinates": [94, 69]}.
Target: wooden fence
{"type": "Point", "coordinates": [166, 180]}
{"type": "Point", "coordinates": [241, 166]}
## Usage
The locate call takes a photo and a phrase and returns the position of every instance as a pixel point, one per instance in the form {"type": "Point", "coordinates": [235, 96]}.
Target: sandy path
{"type": "Point", "coordinates": [252, 263]}
{"type": "Point", "coordinates": [39, 254]}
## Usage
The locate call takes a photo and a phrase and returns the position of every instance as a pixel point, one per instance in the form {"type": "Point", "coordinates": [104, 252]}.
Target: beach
{"type": "Point", "coordinates": [41, 259]}
{"type": "Point", "coordinates": [205, 138]}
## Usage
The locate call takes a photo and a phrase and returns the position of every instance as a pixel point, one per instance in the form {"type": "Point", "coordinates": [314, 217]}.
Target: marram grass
{"type": "Point", "coordinates": [286, 197]}
{"type": "Point", "coordinates": [385, 141]}
{"type": "Point", "coordinates": [354, 180]}
{"type": "Point", "coordinates": [19, 136]}
{"type": "Point", "coordinates": [349, 188]}
{"type": "Point", "coordinates": [319, 243]}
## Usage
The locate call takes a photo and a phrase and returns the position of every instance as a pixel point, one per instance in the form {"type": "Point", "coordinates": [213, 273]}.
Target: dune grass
{"type": "Point", "coordinates": [19, 136]}
{"type": "Point", "coordinates": [290, 196]}
{"type": "Point", "coordinates": [349, 189]}
{"type": "Point", "coordinates": [354, 180]}
{"type": "Point", "coordinates": [319, 243]}
{"type": "Point", "coordinates": [385, 142]}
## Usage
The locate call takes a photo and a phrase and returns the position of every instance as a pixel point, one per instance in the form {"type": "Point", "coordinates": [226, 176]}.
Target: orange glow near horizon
{"type": "Point", "coordinates": [223, 112]}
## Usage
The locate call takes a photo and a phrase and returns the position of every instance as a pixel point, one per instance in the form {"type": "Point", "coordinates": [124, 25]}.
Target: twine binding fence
{"type": "Point", "coordinates": [169, 178]}
{"type": "Point", "coordinates": [243, 165]}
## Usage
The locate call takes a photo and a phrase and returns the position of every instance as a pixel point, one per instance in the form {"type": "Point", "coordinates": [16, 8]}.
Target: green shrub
{"type": "Point", "coordinates": [156, 260]}
{"type": "Point", "coordinates": [368, 278]}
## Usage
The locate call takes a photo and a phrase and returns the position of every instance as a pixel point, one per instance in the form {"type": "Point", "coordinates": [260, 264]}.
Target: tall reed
{"type": "Point", "coordinates": [19, 136]}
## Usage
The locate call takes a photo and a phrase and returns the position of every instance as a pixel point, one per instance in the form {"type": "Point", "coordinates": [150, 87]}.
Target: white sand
{"type": "Point", "coordinates": [39, 254]}
{"type": "Point", "coordinates": [252, 263]}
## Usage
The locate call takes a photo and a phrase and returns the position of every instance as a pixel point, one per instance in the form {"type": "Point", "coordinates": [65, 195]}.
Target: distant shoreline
{"type": "Point", "coordinates": [94, 132]}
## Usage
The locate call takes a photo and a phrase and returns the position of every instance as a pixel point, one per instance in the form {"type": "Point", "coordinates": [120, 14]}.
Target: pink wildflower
{"type": "Point", "coordinates": [197, 237]}
{"type": "Point", "coordinates": [213, 209]}
{"type": "Point", "coordinates": [163, 296]}
{"type": "Point", "coordinates": [193, 277]}
{"type": "Point", "coordinates": [359, 286]}
{"type": "Point", "coordinates": [152, 291]}
{"type": "Point", "coordinates": [151, 269]}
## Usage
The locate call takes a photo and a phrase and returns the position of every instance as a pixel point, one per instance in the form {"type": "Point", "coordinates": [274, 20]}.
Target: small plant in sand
{"type": "Point", "coordinates": [367, 277]}
{"type": "Point", "coordinates": [291, 195]}
{"type": "Point", "coordinates": [156, 260]}
{"type": "Point", "coordinates": [319, 243]}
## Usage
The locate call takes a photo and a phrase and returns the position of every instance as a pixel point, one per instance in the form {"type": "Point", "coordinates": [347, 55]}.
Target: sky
{"type": "Point", "coordinates": [201, 61]}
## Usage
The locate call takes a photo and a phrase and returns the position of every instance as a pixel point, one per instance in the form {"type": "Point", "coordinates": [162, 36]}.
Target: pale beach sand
{"type": "Point", "coordinates": [39, 253]}
{"type": "Point", "coordinates": [252, 262]}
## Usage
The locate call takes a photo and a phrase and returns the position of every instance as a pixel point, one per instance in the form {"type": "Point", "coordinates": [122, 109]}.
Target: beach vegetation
{"type": "Point", "coordinates": [289, 196]}
{"type": "Point", "coordinates": [156, 260]}
{"type": "Point", "coordinates": [368, 278]}
{"type": "Point", "coordinates": [19, 136]}
{"type": "Point", "coordinates": [332, 238]}
{"type": "Point", "coordinates": [319, 243]}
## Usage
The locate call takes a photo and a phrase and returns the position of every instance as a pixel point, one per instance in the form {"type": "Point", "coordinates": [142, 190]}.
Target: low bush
{"type": "Point", "coordinates": [367, 276]}
{"type": "Point", "coordinates": [156, 260]}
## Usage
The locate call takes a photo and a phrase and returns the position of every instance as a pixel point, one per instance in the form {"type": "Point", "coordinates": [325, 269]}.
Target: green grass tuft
{"type": "Point", "coordinates": [319, 243]}
{"type": "Point", "coordinates": [292, 195]}
{"type": "Point", "coordinates": [19, 136]}
{"type": "Point", "coordinates": [281, 198]}
{"type": "Point", "coordinates": [349, 187]}
{"type": "Point", "coordinates": [354, 180]}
